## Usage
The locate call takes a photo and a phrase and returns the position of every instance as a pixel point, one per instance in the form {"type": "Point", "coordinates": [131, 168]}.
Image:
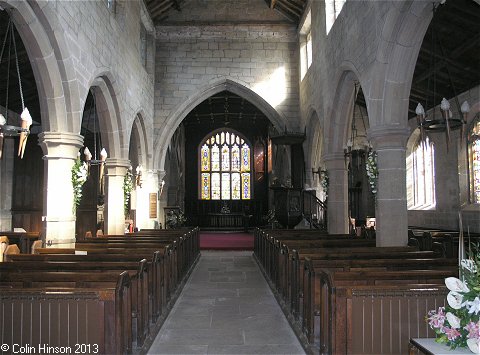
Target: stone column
{"type": "Point", "coordinates": [60, 149]}
{"type": "Point", "coordinates": [391, 200]}
{"type": "Point", "coordinates": [115, 170]}
{"type": "Point", "coordinates": [151, 180]}
{"type": "Point", "coordinates": [337, 213]}
{"type": "Point", "coordinates": [6, 185]}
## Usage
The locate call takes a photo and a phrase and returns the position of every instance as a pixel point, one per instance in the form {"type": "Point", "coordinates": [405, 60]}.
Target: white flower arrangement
{"type": "Point", "coordinates": [127, 189]}
{"type": "Point", "coordinates": [79, 176]}
{"type": "Point", "coordinates": [372, 171]}
{"type": "Point", "coordinates": [458, 324]}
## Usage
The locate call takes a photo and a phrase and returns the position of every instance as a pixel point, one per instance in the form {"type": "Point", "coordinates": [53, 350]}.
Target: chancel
{"type": "Point", "coordinates": [238, 176]}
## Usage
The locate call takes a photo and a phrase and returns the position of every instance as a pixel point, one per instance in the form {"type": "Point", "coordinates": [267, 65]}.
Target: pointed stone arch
{"type": "Point", "coordinates": [110, 122]}
{"type": "Point", "coordinates": [51, 62]}
{"type": "Point", "coordinates": [313, 145]}
{"type": "Point", "coordinates": [177, 116]}
{"type": "Point", "coordinates": [138, 136]}
{"type": "Point", "coordinates": [387, 90]}
{"type": "Point", "coordinates": [340, 113]}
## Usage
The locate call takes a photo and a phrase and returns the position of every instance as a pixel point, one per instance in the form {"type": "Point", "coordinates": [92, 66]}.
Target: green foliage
{"type": "Point", "coordinates": [79, 176]}
{"type": "Point", "coordinates": [127, 190]}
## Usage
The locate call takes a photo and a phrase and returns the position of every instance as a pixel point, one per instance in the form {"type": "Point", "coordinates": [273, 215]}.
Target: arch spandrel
{"type": "Point", "coordinates": [175, 118]}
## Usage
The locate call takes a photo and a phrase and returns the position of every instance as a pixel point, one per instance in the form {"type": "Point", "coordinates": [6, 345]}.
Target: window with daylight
{"type": "Point", "coordinates": [111, 5]}
{"type": "Point", "coordinates": [474, 160]}
{"type": "Point", "coordinates": [421, 176]}
{"type": "Point", "coordinates": [332, 10]}
{"type": "Point", "coordinates": [306, 54]}
{"type": "Point", "coordinates": [225, 167]}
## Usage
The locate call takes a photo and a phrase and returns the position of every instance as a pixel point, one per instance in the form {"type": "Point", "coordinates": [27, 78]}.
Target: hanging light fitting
{"type": "Point", "coordinates": [25, 118]}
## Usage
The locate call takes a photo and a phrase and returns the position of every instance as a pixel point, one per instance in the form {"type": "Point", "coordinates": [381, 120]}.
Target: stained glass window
{"type": "Point", "coordinates": [205, 186]}
{"type": "Point", "coordinates": [205, 158]}
{"type": "Point", "coordinates": [236, 186]}
{"type": "Point", "coordinates": [225, 160]}
{"type": "Point", "coordinates": [474, 160]}
{"type": "Point", "coordinates": [235, 158]}
{"type": "Point", "coordinates": [225, 157]}
{"type": "Point", "coordinates": [215, 158]}
{"type": "Point", "coordinates": [215, 186]}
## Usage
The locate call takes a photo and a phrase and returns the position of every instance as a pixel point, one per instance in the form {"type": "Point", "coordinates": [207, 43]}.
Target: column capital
{"type": "Point", "coordinates": [116, 166]}
{"type": "Point", "coordinates": [160, 173]}
{"type": "Point", "coordinates": [60, 145]}
{"type": "Point", "coordinates": [385, 137]}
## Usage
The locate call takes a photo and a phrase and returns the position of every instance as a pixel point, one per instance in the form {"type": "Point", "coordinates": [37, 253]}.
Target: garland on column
{"type": "Point", "coordinates": [127, 190]}
{"type": "Point", "coordinates": [372, 171]}
{"type": "Point", "coordinates": [79, 176]}
{"type": "Point", "coordinates": [324, 181]}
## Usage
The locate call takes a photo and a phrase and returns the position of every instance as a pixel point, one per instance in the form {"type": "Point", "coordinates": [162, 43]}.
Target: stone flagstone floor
{"type": "Point", "coordinates": [226, 307]}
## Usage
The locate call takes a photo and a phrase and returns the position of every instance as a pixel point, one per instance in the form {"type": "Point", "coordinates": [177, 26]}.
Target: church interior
{"type": "Point", "coordinates": [340, 138]}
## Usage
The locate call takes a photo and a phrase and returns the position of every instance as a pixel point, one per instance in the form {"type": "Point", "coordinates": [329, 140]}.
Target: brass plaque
{"type": "Point", "coordinates": [153, 205]}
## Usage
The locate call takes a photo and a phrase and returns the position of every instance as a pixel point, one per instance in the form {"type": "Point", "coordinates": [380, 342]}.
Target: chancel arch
{"type": "Point", "coordinates": [230, 85]}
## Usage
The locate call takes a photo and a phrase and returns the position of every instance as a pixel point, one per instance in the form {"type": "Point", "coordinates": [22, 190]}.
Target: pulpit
{"type": "Point", "coordinates": [288, 205]}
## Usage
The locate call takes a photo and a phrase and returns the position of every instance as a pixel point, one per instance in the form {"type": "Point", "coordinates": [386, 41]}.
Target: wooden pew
{"type": "Point", "coordinates": [156, 294]}
{"type": "Point", "coordinates": [336, 324]}
{"type": "Point", "coordinates": [294, 275]}
{"type": "Point", "coordinates": [102, 303]}
{"type": "Point", "coordinates": [142, 311]}
{"type": "Point", "coordinates": [166, 253]}
{"type": "Point", "coordinates": [174, 261]}
{"type": "Point", "coordinates": [314, 269]}
{"type": "Point", "coordinates": [150, 286]}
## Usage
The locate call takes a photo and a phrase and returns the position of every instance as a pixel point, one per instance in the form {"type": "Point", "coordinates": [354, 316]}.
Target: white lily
{"type": "Point", "coordinates": [453, 320]}
{"type": "Point", "coordinates": [456, 285]}
{"type": "Point", "coordinates": [469, 264]}
{"type": "Point", "coordinates": [454, 299]}
{"type": "Point", "coordinates": [474, 345]}
{"type": "Point", "coordinates": [473, 306]}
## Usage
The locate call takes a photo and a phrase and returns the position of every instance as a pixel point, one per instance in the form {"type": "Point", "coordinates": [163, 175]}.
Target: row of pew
{"type": "Point", "coordinates": [443, 241]}
{"type": "Point", "coordinates": [344, 295]}
{"type": "Point", "coordinates": [107, 294]}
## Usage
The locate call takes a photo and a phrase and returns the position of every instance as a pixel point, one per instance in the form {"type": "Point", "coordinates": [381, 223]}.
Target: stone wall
{"type": "Point", "coordinates": [96, 42]}
{"type": "Point", "coordinates": [194, 54]}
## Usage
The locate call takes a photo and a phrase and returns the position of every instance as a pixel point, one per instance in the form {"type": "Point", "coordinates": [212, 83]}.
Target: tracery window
{"type": "Point", "coordinates": [474, 160]}
{"type": "Point", "coordinates": [225, 167]}
{"type": "Point", "coordinates": [421, 176]}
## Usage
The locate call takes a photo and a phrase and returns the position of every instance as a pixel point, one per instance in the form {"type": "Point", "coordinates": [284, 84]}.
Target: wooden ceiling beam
{"type": "Point", "coordinates": [294, 11]}
{"type": "Point", "coordinates": [284, 10]}
{"type": "Point", "coordinates": [457, 52]}
{"type": "Point", "coordinates": [293, 6]}
{"type": "Point", "coordinates": [159, 8]}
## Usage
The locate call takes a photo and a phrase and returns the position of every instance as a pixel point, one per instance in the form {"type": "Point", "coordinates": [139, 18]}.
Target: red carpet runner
{"type": "Point", "coordinates": [226, 241]}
